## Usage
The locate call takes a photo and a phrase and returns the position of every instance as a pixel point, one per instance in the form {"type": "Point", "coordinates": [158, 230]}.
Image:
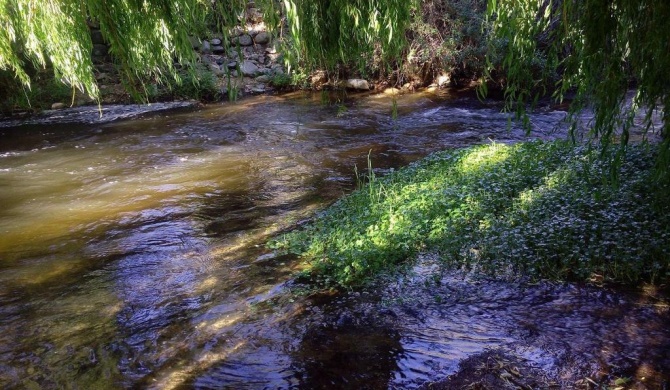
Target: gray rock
{"type": "Point", "coordinates": [260, 88]}
{"type": "Point", "coordinates": [100, 50]}
{"type": "Point", "coordinates": [232, 65]}
{"type": "Point", "coordinates": [206, 48]}
{"type": "Point", "coordinates": [215, 41]}
{"type": "Point", "coordinates": [249, 69]}
{"type": "Point", "coordinates": [245, 40]}
{"type": "Point", "coordinates": [359, 84]}
{"type": "Point", "coordinates": [58, 106]}
{"type": "Point", "coordinates": [218, 49]}
{"type": "Point", "coordinates": [263, 78]}
{"type": "Point", "coordinates": [262, 38]}
{"type": "Point", "coordinates": [216, 70]}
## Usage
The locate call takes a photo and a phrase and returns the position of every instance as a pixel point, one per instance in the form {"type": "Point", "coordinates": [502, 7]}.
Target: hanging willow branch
{"type": "Point", "coordinates": [145, 37]}
{"type": "Point", "coordinates": [602, 48]}
{"type": "Point", "coordinates": [327, 33]}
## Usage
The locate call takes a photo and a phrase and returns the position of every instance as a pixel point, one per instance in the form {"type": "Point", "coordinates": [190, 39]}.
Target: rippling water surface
{"type": "Point", "coordinates": [131, 253]}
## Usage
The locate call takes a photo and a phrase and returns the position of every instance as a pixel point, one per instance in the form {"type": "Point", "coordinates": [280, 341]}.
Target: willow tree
{"type": "Point", "coordinates": [601, 50]}
{"type": "Point", "coordinates": [145, 37]}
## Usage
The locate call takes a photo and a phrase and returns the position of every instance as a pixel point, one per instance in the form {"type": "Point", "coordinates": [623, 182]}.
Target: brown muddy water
{"type": "Point", "coordinates": [132, 256]}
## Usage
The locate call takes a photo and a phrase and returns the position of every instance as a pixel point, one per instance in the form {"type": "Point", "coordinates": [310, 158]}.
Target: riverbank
{"type": "Point", "coordinates": [467, 244]}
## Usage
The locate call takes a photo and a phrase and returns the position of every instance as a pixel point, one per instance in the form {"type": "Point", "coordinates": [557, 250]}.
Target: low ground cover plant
{"type": "Point", "coordinates": [540, 209]}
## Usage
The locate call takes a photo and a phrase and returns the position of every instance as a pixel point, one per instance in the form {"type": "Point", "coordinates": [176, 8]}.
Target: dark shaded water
{"type": "Point", "coordinates": [131, 255]}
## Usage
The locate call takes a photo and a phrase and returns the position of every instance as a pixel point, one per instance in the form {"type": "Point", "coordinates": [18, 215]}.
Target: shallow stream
{"type": "Point", "coordinates": [132, 255]}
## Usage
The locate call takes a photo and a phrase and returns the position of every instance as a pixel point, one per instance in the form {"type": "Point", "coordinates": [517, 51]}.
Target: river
{"type": "Point", "coordinates": [132, 256]}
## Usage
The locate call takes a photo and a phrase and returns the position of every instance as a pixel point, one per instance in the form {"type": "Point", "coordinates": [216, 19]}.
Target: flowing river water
{"type": "Point", "coordinates": [132, 256]}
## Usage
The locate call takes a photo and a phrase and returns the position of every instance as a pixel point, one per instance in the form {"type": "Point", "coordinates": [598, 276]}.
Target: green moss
{"type": "Point", "coordinates": [537, 209]}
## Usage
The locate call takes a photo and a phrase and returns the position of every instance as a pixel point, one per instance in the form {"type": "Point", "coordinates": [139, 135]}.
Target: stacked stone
{"type": "Point", "coordinates": [249, 57]}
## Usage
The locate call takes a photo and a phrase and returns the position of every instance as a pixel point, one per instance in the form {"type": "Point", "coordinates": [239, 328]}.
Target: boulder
{"type": "Point", "coordinates": [215, 41]}
{"type": "Point", "coordinates": [214, 68]}
{"type": "Point", "coordinates": [245, 40]}
{"type": "Point", "coordinates": [259, 88]}
{"type": "Point", "coordinates": [218, 49]}
{"type": "Point", "coordinates": [263, 78]}
{"type": "Point", "coordinates": [359, 84]}
{"type": "Point", "coordinates": [58, 106]}
{"type": "Point", "coordinates": [249, 69]}
{"type": "Point", "coordinates": [205, 48]}
{"type": "Point", "coordinates": [262, 38]}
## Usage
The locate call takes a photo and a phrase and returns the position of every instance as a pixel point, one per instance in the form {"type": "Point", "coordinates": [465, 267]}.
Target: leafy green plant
{"type": "Point", "coordinates": [44, 91]}
{"type": "Point", "coordinates": [540, 209]}
{"type": "Point", "coordinates": [200, 85]}
{"type": "Point", "coordinates": [281, 81]}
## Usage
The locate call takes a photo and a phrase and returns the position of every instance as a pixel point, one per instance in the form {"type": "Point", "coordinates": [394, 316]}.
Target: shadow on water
{"type": "Point", "coordinates": [131, 252]}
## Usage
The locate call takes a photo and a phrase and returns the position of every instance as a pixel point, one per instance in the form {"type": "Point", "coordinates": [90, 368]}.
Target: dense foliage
{"type": "Point", "coordinates": [145, 37]}
{"type": "Point", "coordinates": [600, 48]}
{"type": "Point", "coordinates": [327, 33]}
{"type": "Point", "coordinates": [537, 209]}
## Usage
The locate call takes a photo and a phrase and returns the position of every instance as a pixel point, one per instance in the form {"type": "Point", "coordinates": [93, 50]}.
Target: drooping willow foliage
{"type": "Point", "coordinates": [325, 33]}
{"type": "Point", "coordinates": [602, 50]}
{"type": "Point", "coordinates": [145, 37]}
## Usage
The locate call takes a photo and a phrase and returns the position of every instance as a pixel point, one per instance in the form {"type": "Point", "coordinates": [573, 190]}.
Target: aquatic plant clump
{"type": "Point", "coordinates": [545, 210]}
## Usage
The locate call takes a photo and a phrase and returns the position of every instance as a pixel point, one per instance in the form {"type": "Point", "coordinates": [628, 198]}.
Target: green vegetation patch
{"type": "Point", "coordinates": [536, 209]}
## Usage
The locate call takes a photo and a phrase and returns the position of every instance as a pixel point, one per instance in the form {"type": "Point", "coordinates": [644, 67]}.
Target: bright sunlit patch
{"type": "Point", "coordinates": [480, 157]}
{"type": "Point", "coordinates": [222, 323]}
{"type": "Point", "coordinates": [176, 378]}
